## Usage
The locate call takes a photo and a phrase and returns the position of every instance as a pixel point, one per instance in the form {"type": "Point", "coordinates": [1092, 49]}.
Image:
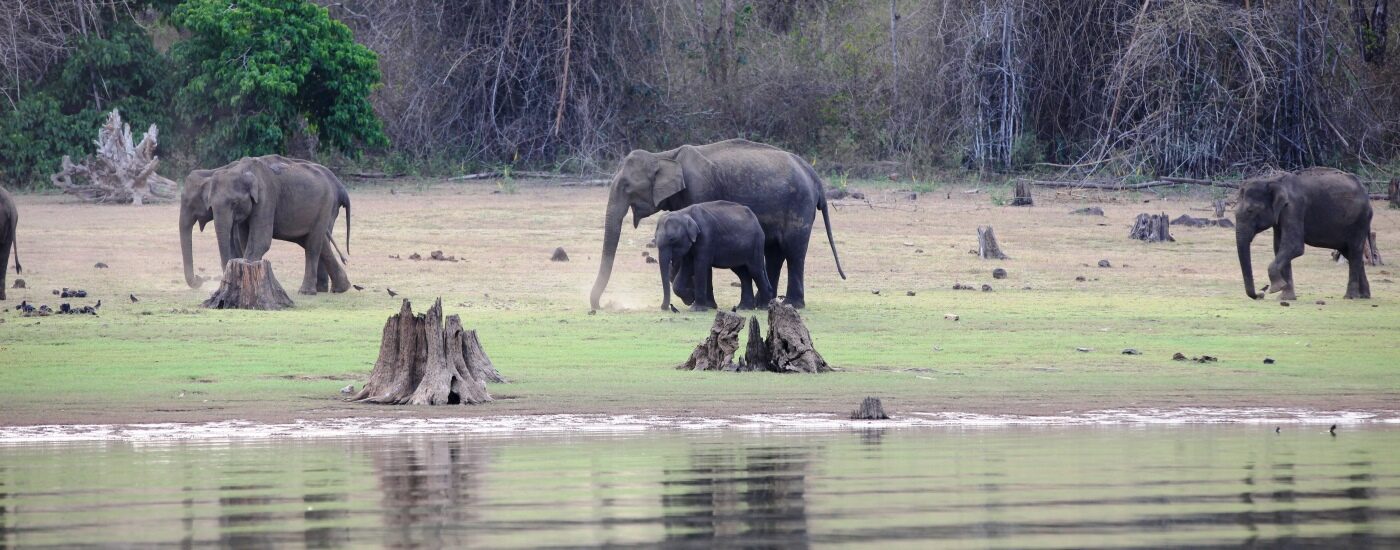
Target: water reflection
{"type": "Point", "coordinates": [1201, 486]}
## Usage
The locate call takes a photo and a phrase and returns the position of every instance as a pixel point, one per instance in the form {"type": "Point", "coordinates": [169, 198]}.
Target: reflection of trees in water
{"type": "Point", "coordinates": [1300, 508]}
{"type": "Point", "coordinates": [430, 487]}
{"type": "Point", "coordinates": [4, 494]}
{"type": "Point", "coordinates": [750, 497]}
{"type": "Point", "coordinates": [239, 517]}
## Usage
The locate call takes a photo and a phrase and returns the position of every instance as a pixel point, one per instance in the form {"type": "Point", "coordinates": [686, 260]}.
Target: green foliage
{"type": "Point", "coordinates": [36, 135]}
{"type": "Point", "coordinates": [256, 67]}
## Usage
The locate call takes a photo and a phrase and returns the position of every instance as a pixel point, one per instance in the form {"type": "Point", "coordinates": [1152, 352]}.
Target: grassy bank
{"type": "Point", "coordinates": [1013, 349]}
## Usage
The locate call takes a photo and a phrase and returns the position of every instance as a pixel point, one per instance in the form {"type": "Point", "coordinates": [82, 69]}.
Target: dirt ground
{"type": "Point", "coordinates": [1014, 350]}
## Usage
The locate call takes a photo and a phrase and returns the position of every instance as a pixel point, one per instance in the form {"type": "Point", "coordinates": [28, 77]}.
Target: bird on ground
{"type": "Point", "coordinates": [358, 287]}
{"type": "Point", "coordinates": [391, 292]}
{"type": "Point", "coordinates": [133, 298]}
{"type": "Point", "coordinates": [1332, 430]}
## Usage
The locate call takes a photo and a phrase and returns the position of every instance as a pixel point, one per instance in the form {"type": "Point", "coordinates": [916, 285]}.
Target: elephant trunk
{"type": "Point", "coordinates": [1243, 238]}
{"type": "Point", "coordinates": [187, 248]}
{"type": "Point", "coordinates": [612, 231]}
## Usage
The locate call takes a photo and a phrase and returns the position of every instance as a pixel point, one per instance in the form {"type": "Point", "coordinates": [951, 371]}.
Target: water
{"type": "Point", "coordinates": [1005, 487]}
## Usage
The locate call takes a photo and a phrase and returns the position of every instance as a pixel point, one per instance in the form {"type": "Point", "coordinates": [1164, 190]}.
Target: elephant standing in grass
{"type": "Point", "coordinates": [781, 189]}
{"type": "Point", "coordinates": [254, 200]}
{"type": "Point", "coordinates": [1320, 207]}
{"type": "Point", "coordinates": [9, 220]}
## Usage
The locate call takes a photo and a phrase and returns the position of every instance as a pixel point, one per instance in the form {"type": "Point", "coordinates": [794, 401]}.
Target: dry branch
{"type": "Point", "coordinates": [119, 172]}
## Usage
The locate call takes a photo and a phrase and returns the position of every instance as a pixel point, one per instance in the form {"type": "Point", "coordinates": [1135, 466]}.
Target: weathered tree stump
{"type": "Point", "coordinates": [119, 172]}
{"type": "Point", "coordinates": [1023, 195]}
{"type": "Point", "coordinates": [756, 351]}
{"type": "Point", "coordinates": [249, 285]}
{"type": "Point", "coordinates": [870, 409]}
{"type": "Point", "coordinates": [1219, 206]}
{"type": "Point", "coordinates": [789, 344]}
{"type": "Point", "coordinates": [1152, 228]}
{"type": "Point", "coordinates": [987, 247]}
{"type": "Point", "coordinates": [1393, 195]}
{"type": "Point", "coordinates": [717, 351]}
{"type": "Point", "coordinates": [1371, 255]}
{"type": "Point", "coordinates": [559, 255]}
{"type": "Point", "coordinates": [426, 361]}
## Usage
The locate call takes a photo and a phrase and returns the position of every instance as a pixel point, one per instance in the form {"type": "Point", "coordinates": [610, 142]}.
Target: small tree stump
{"type": "Point", "coordinates": [987, 247]}
{"type": "Point", "coordinates": [1219, 206]}
{"type": "Point", "coordinates": [789, 344]}
{"type": "Point", "coordinates": [1152, 228]}
{"type": "Point", "coordinates": [870, 409]}
{"type": "Point", "coordinates": [1393, 195]}
{"type": "Point", "coordinates": [1023, 195]}
{"type": "Point", "coordinates": [249, 285]}
{"type": "Point", "coordinates": [756, 351]}
{"type": "Point", "coordinates": [119, 171]}
{"type": "Point", "coordinates": [424, 361]}
{"type": "Point", "coordinates": [717, 351]}
{"type": "Point", "coordinates": [559, 255]}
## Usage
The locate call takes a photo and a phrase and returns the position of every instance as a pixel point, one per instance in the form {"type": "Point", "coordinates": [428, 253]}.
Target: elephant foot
{"type": "Point", "coordinates": [323, 288]}
{"type": "Point", "coordinates": [745, 306]}
{"type": "Point", "coordinates": [1357, 296]}
{"type": "Point", "coordinates": [1287, 294]}
{"type": "Point", "coordinates": [306, 291]}
{"type": "Point", "coordinates": [700, 307]}
{"type": "Point", "coordinates": [796, 304]}
{"type": "Point", "coordinates": [338, 288]}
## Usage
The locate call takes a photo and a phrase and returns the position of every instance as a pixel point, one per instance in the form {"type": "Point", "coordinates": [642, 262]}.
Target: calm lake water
{"type": "Point", "coordinates": [1005, 487]}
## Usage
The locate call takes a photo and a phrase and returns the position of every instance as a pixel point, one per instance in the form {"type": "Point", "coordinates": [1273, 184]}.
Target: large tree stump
{"type": "Point", "coordinates": [119, 172]}
{"type": "Point", "coordinates": [789, 344]}
{"type": "Point", "coordinates": [1152, 228]}
{"type": "Point", "coordinates": [717, 351]}
{"type": "Point", "coordinates": [249, 285]}
{"type": "Point", "coordinates": [756, 351]}
{"type": "Point", "coordinates": [1023, 195]}
{"type": "Point", "coordinates": [987, 247]}
{"type": "Point", "coordinates": [424, 361]}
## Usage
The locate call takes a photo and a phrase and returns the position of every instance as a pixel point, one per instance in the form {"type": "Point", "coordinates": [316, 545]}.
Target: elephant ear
{"type": "Point", "coordinates": [668, 180]}
{"type": "Point", "coordinates": [255, 186]}
{"type": "Point", "coordinates": [692, 229]}
{"type": "Point", "coordinates": [1281, 189]}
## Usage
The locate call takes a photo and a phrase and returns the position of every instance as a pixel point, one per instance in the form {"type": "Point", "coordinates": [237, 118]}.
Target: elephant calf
{"type": "Point", "coordinates": [695, 239]}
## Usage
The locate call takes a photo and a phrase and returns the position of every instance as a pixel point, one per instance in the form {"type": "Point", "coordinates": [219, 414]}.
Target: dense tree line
{"type": "Point", "coordinates": [1120, 87]}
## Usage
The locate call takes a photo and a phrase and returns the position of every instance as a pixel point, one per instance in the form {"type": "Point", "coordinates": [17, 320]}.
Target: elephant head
{"type": "Point", "coordinates": [642, 184]}
{"type": "Point", "coordinates": [675, 234]}
{"type": "Point", "coordinates": [193, 208]}
{"type": "Point", "coordinates": [1262, 202]}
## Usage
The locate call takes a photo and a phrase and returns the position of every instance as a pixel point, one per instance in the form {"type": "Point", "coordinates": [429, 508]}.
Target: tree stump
{"type": "Point", "coordinates": [119, 172]}
{"type": "Point", "coordinates": [717, 351]}
{"type": "Point", "coordinates": [1152, 228]}
{"type": "Point", "coordinates": [426, 361]}
{"type": "Point", "coordinates": [987, 247]}
{"type": "Point", "coordinates": [1219, 206]}
{"type": "Point", "coordinates": [1371, 255]}
{"type": "Point", "coordinates": [789, 344]}
{"type": "Point", "coordinates": [870, 409]}
{"type": "Point", "coordinates": [1023, 195]}
{"type": "Point", "coordinates": [756, 351]}
{"type": "Point", "coordinates": [249, 285]}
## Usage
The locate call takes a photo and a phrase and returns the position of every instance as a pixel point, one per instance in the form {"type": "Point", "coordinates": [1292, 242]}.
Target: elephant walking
{"type": "Point", "coordinates": [256, 199]}
{"type": "Point", "coordinates": [1320, 207]}
{"type": "Point", "coordinates": [781, 189]}
{"type": "Point", "coordinates": [9, 220]}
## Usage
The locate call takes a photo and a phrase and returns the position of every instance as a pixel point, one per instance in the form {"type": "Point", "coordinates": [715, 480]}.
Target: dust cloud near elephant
{"type": "Point", "coordinates": [781, 189]}
{"type": "Point", "coordinates": [1321, 207]}
{"type": "Point", "coordinates": [256, 199]}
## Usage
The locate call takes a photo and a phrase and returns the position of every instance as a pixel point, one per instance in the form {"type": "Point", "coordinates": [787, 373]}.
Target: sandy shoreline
{"type": "Point", "coordinates": [520, 425]}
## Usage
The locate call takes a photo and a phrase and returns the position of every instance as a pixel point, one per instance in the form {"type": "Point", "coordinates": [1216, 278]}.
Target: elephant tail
{"type": "Point", "coordinates": [14, 242]}
{"type": "Point", "coordinates": [826, 211]}
{"type": "Point", "coordinates": [345, 201]}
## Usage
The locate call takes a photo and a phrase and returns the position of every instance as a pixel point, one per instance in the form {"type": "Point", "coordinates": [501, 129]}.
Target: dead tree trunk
{"type": "Point", "coordinates": [1219, 206]}
{"type": "Point", "coordinates": [987, 247]}
{"type": "Point", "coordinates": [1023, 195]}
{"type": "Point", "coordinates": [870, 409]}
{"type": "Point", "coordinates": [1153, 228]}
{"type": "Point", "coordinates": [756, 351]}
{"type": "Point", "coordinates": [119, 172]}
{"type": "Point", "coordinates": [717, 351]}
{"type": "Point", "coordinates": [424, 361]}
{"type": "Point", "coordinates": [1394, 195]}
{"type": "Point", "coordinates": [789, 344]}
{"type": "Point", "coordinates": [249, 285]}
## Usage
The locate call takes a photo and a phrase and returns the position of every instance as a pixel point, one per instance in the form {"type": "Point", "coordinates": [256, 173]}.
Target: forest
{"type": "Point", "coordinates": [1081, 88]}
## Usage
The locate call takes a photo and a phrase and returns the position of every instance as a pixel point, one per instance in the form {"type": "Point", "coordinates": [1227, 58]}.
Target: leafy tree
{"type": "Point", "coordinates": [258, 67]}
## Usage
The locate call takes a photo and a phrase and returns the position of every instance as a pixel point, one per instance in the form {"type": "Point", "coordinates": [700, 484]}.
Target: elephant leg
{"type": "Point", "coordinates": [4, 262]}
{"type": "Point", "coordinates": [746, 298]}
{"type": "Point", "coordinates": [760, 279]}
{"type": "Point", "coordinates": [796, 257]}
{"type": "Point", "coordinates": [1287, 271]}
{"type": "Point", "coordinates": [704, 291]}
{"type": "Point", "coordinates": [314, 247]}
{"type": "Point", "coordinates": [333, 271]}
{"type": "Point", "coordinates": [1290, 246]}
{"type": "Point", "coordinates": [773, 261]}
{"type": "Point", "coordinates": [1357, 286]}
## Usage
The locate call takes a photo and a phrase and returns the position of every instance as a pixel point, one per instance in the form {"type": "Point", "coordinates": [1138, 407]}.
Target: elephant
{"type": "Point", "coordinates": [9, 220]}
{"type": "Point", "coordinates": [256, 199]}
{"type": "Point", "coordinates": [1320, 207]}
{"type": "Point", "coordinates": [690, 242]}
{"type": "Point", "coordinates": [781, 189]}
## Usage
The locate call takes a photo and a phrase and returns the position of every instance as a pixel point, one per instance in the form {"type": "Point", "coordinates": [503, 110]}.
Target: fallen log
{"type": "Point", "coordinates": [716, 352]}
{"type": "Point", "coordinates": [426, 361]}
{"type": "Point", "coordinates": [249, 285]}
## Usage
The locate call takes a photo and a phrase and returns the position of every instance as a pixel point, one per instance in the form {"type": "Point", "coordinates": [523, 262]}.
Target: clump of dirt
{"type": "Point", "coordinates": [998, 273]}
{"type": "Point", "coordinates": [559, 255]}
{"type": "Point", "coordinates": [1090, 211]}
{"type": "Point", "coordinates": [1105, 263]}
{"type": "Point", "coordinates": [986, 288]}
{"type": "Point", "coordinates": [99, 265]}
{"type": "Point", "coordinates": [19, 283]}
{"type": "Point", "coordinates": [960, 286]}
{"type": "Point", "coordinates": [70, 293]}
{"type": "Point", "coordinates": [1178, 356]}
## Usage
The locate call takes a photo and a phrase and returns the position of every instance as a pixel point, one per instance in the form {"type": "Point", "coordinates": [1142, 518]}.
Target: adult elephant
{"type": "Point", "coordinates": [779, 187]}
{"type": "Point", "coordinates": [9, 220]}
{"type": "Point", "coordinates": [256, 199]}
{"type": "Point", "coordinates": [1320, 207]}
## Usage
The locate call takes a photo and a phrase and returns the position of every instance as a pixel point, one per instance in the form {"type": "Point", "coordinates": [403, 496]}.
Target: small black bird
{"type": "Point", "coordinates": [391, 292]}
{"type": "Point", "coordinates": [1278, 429]}
{"type": "Point", "coordinates": [1332, 430]}
{"type": "Point", "coordinates": [358, 287]}
{"type": "Point", "coordinates": [133, 298]}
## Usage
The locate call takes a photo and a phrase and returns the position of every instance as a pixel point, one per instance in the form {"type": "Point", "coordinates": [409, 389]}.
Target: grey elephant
{"type": "Point", "coordinates": [1320, 207]}
{"type": "Point", "coordinates": [781, 189]}
{"type": "Point", "coordinates": [9, 220]}
{"type": "Point", "coordinates": [694, 240]}
{"type": "Point", "coordinates": [256, 199]}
